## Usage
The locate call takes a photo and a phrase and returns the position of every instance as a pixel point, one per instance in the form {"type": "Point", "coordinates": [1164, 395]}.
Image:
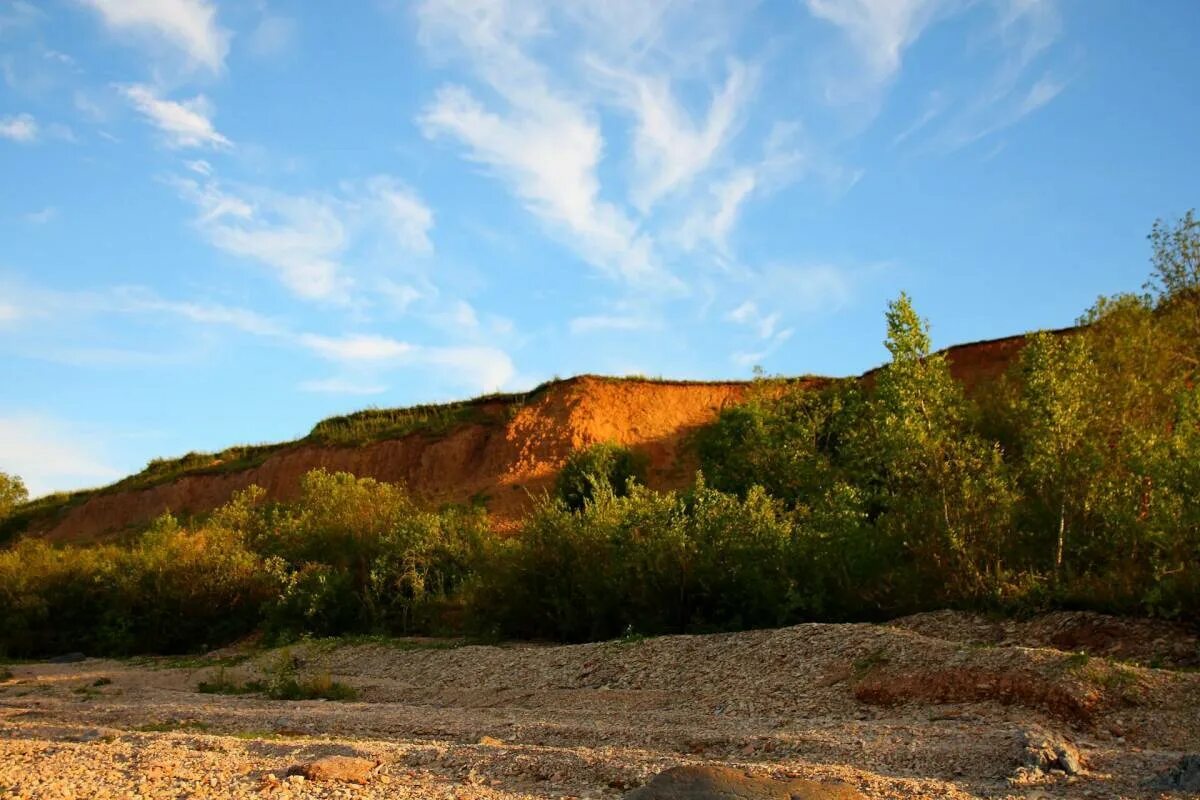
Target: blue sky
{"type": "Point", "coordinates": [223, 221]}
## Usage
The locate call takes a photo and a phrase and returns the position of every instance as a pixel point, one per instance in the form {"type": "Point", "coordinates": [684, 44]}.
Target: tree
{"type": "Point", "coordinates": [935, 486]}
{"type": "Point", "coordinates": [1176, 257]}
{"type": "Point", "coordinates": [12, 493]}
{"type": "Point", "coordinates": [1060, 441]}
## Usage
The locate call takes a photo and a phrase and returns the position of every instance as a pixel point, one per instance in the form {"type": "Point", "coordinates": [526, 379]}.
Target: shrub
{"type": "Point", "coordinates": [647, 562]}
{"type": "Point", "coordinates": [600, 467]}
{"type": "Point", "coordinates": [173, 591]}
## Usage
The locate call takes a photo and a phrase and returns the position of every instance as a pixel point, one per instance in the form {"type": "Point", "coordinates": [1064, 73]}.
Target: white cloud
{"type": "Point", "coordinates": [51, 455]}
{"type": "Point", "coordinates": [9, 313]}
{"type": "Point", "coordinates": [399, 295]}
{"type": "Point", "coordinates": [484, 368]}
{"type": "Point", "coordinates": [748, 314]}
{"type": "Point", "coordinates": [42, 216]}
{"type": "Point", "coordinates": [199, 166]}
{"type": "Point", "coordinates": [139, 300]}
{"type": "Point", "coordinates": [299, 238]}
{"type": "Point", "coordinates": [609, 322]}
{"type": "Point", "coordinates": [983, 120]}
{"type": "Point", "coordinates": [544, 144]}
{"type": "Point", "coordinates": [273, 36]}
{"type": "Point", "coordinates": [307, 240]}
{"type": "Point", "coordinates": [342, 386]}
{"type": "Point", "coordinates": [356, 348]}
{"type": "Point", "coordinates": [182, 124]}
{"type": "Point", "coordinates": [21, 128]}
{"type": "Point", "coordinates": [402, 213]}
{"type": "Point", "coordinates": [365, 355]}
{"type": "Point", "coordinates": [670, 148]}
{"type": "Point", "coordinates": [488, 369]}
{"type": "Point", "coordinates": [716, 219]}
{"type": "Point", "coordinates": [934, 107]}
{"type": "Point", "coordinates": [1024, 34]}
{"type": "Point", "coordinates": [880, 30]}
{"type": "Point", "coordinates": [462, 315]}
{"type": "Point", "coordinates": [189, 26]}
{"type": "Point", "coordinates": [820, 288]}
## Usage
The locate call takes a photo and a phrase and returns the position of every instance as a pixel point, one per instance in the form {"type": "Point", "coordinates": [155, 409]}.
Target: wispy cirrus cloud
{"type": "Point", "coordinates": [670, 147]}
{"type": "Point", "coordinates": [878, 31]}
{"type": "Point", "coordinates": [182, 124]}
{"type": "Point", "coordinates": [366, 358]}
{"type": "Point", "coordinates": [21, 128]}
{"type": "Point", "coordinates": [1011, 37]}
{"type": "Point", "coordinates": [342, 385]}
{"type": "Point", "coordinates": [594, 323]}
{"type": "Point", "coordinates": [544, 143]}
{"type": "Point", "coordinates": [41, 216]}
{"type": "Point", "coordinates": [306, 240]}
{"type": "Point", "coordinates": [479, 367]}
{"type": "Point", "coordinates": [186, 27]}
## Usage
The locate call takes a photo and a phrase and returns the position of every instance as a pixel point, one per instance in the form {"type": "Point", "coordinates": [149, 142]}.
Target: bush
{"type": "Point", "coordinates": [604, 467]}
{"type": "Point", "coordinates": [173, 591]}
{"type": "Point", "coordinates": [648, 562]}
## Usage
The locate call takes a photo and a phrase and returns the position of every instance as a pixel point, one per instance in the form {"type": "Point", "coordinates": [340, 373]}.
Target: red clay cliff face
{"type": "Point", "coordinates": [507, 460]}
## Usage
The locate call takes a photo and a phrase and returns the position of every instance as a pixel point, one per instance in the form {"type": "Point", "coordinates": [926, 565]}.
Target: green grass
{"type": "Point", "coordinates": [222, 684]}
{"type": "Point", "coordinates": [314, 687]}
{"type": "Point", "coordinates": [186, 661]}
{"type": "Point", "coordinates": [1076, 661]}
{"type": "Point", "coordinates": [5, 674]}
{"type": "Point", "coordinates": [285, 684]}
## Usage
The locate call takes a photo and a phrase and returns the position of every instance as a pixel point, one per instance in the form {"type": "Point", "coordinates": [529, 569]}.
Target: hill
{"type": "Point", "coordinates": [499, 450]}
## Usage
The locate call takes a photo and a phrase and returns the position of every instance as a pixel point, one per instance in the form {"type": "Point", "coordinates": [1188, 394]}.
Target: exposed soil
{"type": "Point", "coordinates": [890, 711]}
{"type": "Point", "coordinates": [505, 458]}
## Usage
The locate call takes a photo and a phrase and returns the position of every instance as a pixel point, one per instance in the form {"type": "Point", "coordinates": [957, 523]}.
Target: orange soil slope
{"type": "Point", "coordinates": [506, 458]}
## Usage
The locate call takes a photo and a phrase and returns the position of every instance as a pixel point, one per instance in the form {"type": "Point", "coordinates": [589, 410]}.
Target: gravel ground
{"type": "Point", "coordinates": [927, 707]}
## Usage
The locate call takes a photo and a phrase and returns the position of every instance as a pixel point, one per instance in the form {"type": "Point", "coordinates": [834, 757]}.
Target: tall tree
{"type": "Point", "coordinates": [12, 493]}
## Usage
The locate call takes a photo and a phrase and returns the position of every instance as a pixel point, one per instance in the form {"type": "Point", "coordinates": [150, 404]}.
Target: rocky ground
{"type": "Point", "coordinates": [935, 706]}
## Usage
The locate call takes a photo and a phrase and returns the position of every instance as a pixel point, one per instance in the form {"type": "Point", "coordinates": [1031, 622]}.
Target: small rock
{"type": "Point", "coordinates": [1043, 751]}
{"type": "Point", "coordinates": [725, 783]}
{"type": "Point", "coordinates": [1184, 776]}
{"type": "Point", "coordinates": [348, 769]}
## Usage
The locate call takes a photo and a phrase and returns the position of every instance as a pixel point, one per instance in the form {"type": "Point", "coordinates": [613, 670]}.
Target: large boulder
{"type": "Point", "coordinates": [347, 769]}
{"type": "Point", "coordinates": [1042, 751]}
{"type": "Point", "coordinates": [726, 783]}
{"type": "Point", "coordinates": [1183, 777]}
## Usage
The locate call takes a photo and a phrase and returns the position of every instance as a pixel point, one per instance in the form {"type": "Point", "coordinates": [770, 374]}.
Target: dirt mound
{"type": "Point", "coordinates": [1149, 642]}
{"type": "Point", "coordinates": [1019, 687]}
{"type": "Point", "coordinates": [504, 453]}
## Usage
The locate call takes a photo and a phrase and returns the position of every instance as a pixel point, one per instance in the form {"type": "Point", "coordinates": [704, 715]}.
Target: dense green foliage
{"type": "Point", "coordinates": [603, 467]}
{"type": "Point", "coordinates": [649, 562]}
{"type": "Point", "coordinates": [12, 493]}
{"type": "Point", "coordinates": [175, 590]}
{"type": "Point", "coordinates": [349, 555]}
{"type": "Point", "coordinates": [1072, 481]}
